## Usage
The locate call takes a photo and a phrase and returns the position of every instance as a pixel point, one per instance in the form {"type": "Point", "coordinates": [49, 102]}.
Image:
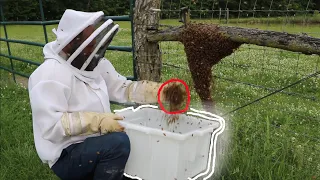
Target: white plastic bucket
{"type": "Point", "coordinates": [166, 152]}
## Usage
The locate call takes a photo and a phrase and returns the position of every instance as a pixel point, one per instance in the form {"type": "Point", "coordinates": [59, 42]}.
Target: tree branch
{"type": "Point", "coordinates": [292, 42]}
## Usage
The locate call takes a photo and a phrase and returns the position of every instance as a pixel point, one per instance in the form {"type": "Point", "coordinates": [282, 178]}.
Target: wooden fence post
{"type": "Point", "coordinates": [147, 54]}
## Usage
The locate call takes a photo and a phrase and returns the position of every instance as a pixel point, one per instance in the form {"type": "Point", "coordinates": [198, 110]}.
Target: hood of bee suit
{"type": "Point", "coordinates": [70, 26]}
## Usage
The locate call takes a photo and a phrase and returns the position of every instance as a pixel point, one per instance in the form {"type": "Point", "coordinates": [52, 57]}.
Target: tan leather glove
{"type": "Point", "coordinates": [110, 124]}
{"type": "Point", "coordinates": [145, 92]}
{"type": "Point", "coordinates": [85, 123]}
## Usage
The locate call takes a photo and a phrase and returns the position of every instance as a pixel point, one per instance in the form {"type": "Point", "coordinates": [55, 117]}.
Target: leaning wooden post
{"type": "Point", "coordinates": [185, 16]}
{"type": "Point", "coordinates": [147, 54]}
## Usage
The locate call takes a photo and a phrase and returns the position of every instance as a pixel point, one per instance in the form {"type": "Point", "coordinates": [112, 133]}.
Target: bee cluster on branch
{"type": "Point", "coordinates": [204, 47]}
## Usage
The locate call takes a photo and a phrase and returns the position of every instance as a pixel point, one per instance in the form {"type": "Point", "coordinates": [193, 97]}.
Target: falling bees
{"type": "Point", "coordinates": [175, 97]}
{"type": "Point", "coordinates": [173, 118]}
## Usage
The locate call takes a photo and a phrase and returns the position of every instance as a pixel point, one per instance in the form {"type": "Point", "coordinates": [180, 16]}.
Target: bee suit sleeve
{"type": "Point", "coordinates": [116, 83]}
{"type": "Point", "coordinates": [122, 90]}
{"type": "Point", "coordinates": [49, 103]}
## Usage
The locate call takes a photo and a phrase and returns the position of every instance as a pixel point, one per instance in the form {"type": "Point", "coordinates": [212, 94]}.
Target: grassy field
{"type": "Point", "coordinates": [275, 138]}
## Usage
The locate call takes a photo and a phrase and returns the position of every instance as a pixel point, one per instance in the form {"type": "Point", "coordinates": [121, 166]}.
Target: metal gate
{"type": "Point", "coordinates": [44, 23]}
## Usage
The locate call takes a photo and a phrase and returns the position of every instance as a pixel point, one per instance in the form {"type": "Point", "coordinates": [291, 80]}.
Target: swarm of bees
{"type": "Point", "coordinates": [205, 47]}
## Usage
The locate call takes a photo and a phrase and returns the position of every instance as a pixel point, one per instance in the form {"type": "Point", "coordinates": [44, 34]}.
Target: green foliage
{"type": "Point", "coordinates": [18, 158]}
{"type": "Point", "coordinates": [53, 9]}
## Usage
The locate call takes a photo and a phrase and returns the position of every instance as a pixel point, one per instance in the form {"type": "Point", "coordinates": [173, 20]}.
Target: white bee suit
{"type": "Point", "coordinates": [54, 90]}
{"type": "Point", "coordinates": [71, 102]}
{"type": "Point", "coordinates": [57, 88]}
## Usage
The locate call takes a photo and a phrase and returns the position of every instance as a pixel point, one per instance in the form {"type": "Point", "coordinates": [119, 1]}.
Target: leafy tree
{"type": "Point", "coordinates": [23, 10]}
{"type": "Point", "coordinates": [53, 9]}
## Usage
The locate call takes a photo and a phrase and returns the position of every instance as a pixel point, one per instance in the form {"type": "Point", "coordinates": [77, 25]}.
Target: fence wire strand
{"type": "Point", "coordinates": [274, 92]}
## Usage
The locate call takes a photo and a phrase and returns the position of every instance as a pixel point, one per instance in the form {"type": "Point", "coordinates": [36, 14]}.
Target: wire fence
{"type": "Point", "coordinates": [268, 60]}
{"type": "Point", "coordinates": [258, 86]}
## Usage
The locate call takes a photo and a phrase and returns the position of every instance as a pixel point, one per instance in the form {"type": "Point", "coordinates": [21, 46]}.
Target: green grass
{"type": "Point", "coordinates": [276, 138]}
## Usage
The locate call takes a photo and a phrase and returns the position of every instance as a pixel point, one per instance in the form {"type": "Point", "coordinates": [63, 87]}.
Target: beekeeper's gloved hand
{"type": "Point", "coordinates": [84, 123]}
{"type": "Point", "coordinates": [144, 92]}
{"type": "Point", "coordinates": [110, 123]}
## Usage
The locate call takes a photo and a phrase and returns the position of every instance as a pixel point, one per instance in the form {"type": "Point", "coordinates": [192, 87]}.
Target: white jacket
{"type": "Point", "coordinates": [56, 87]}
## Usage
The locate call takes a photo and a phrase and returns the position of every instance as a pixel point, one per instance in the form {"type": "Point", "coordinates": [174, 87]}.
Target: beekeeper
{"type": "Point", "coordinates": [75, 132]}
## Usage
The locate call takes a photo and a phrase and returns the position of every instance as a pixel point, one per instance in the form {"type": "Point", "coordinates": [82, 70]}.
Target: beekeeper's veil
{"type": "Point", "coordinates": [70, 28]}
